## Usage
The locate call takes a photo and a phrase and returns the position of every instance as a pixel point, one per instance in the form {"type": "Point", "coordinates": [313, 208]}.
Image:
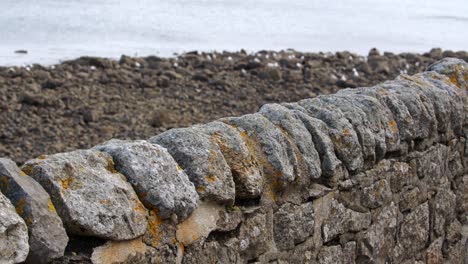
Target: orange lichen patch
{"type": "Point", "coordinates": [200, 189]}
{"type": "Point", "coordinates": [28, 168]}
{"type": "Point", "coordinates": [42, 157]}
{"type": "Point", "coordinates": [20, 206]}
{"type": "Point", "coordinates": [154, 224]}
{"type": "Point", "coordinates": [69, 183]}
{"type": "Point", "coordinates": [50, 206]}
{"type": "Point", "coordinates": [4, 183]}
{"type": "Point", "coordinates": [138, 207]}
{"type": "Point", "coordinates": [346, 132]}
{"type": "Point", "coordinates": [393, 126]}
{"type": "Point", "coordinates": [111, 166]}
{"type": "Point", "coordinates": [105, 201]}
{"type": "Point", "coordinates": [210, 178]}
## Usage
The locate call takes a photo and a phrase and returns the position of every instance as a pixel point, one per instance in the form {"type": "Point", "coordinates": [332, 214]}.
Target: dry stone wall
{"type": "Point", "coordinates": [367, 175]}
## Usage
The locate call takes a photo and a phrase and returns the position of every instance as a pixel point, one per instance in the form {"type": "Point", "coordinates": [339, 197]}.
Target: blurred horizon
{"type": "Point", "coordinates": [53, 30]}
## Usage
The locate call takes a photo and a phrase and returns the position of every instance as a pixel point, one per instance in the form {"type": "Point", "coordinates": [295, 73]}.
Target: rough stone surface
{"type": "Point", "coordinates": [455, 69]}
{"type": "Point", "coordinates": [342, 220]}
{"type": "Point", "coordinates": [341, 131]}
{"type": "Point", "coordinates": [155, 176]}
{"type": "Point", "coordinates": [47, 236]}
{"type": "Point", "coordinates": [90, 196]}
{"type": "Point", "coordinates": [239, 155]}
{"type": "Point", "coordinates": [203, 162]}
{"type": "Point", "coordinates": [280, 157]}
{"type": "Point", "coordinates": [286, 120]}
{"type": "Point", "coordinates": [332, 168]}
{"type": "Point", "coordinates": [14, 245]}
{"type": "Point", "coordinates": [293, 225]}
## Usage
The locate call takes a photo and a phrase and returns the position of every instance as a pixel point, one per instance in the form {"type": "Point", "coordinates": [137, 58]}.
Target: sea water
{"type": "Point", "coordinates": [56, 30]}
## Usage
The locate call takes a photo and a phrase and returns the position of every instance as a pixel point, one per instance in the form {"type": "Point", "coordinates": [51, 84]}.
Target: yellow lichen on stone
{"type": "Point", "coordinates": [105, 201]}
{"type": "Point", "coordinates": [28, 168]}
{"type": "Point", "coordinates": [393, 126]}
{"type": "Point", "coordinates": [20, 206]}
{"type": "Point", "coordinates": [22, 173]}
{"type": "Point", "coordinates": [4, 183]}
{"type": "Point", "coordinates": [210, 178]}
{"type": "Point", "coordinates": [111, 166]}
{"type": "Point", "coordinates": [51, 206]}
{"type": "Point", "coordinates": [154, 223]}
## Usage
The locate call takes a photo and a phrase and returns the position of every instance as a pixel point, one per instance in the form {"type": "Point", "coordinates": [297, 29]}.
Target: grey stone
{"type": "Point", "coordinates": [442, 208]}
{"type": "Point", "coordinates": [431, 165]}
{"type": "Point", "coordinates": [332, 168]}
{"type": "Point", "coordinates": [414, 231]}
{"type": "Point", "coordinates": [342, 220]}
{"type": "Point", "coordinates": [369, 141]}
{"type": "Point", "coordinates": [254, 237]}
{"type": "Point", "coordinates": [341, 131]}
{"type": "Point", "coordinates": [376, 195]}
{"type": "Point", "coordinates": [90, 196]}
{"type": "Point", "coordinates": [14, 246]}
{"type": "Point", "coordinates": [155, 176]}
{"type": "Point", "coordinates": [203, 162]}
{"type": "Point", "coordinates": [286, 120]}
{"type": "Point", "coordinates": [377, 242]}
{"type": "Point", "coordinates": [239, 154]}
{"type": "Point", "coordinates": [462, 200]}
{"type": "Point", "coordinates": [447, 102]}
{"type": "Point", "coordinates": [212, 252]}
{"type": "Point", "coordinates": [455, 69]}
{"type": "Point", "coordinates": [47, 236]}
{"type": "Point", "coordinates": [411, 198]}
{"type": "Point", "coordinates": [400, 113]}
{"type": "Point", "coordinates": [293, 224]}
{"type": "Point", "coordinates": [434, 252]}
{"type": "Point", "coordinates": [276, 154]}
{"type": "Point", "coordinates": [331, 255]}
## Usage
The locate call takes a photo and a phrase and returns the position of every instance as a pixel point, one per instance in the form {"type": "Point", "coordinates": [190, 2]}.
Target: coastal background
{"type": "Point", "coordinates": [56, 30]}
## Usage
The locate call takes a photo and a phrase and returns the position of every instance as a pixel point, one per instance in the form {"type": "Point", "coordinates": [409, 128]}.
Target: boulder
{"type": "Point", "coordinates": [203, 162]}
{"type": "Point", "coordinates": [157, 179]}
{"type": "Point", "coordinates": [90, 196]}
{"type": "Point", "coordinates": [295, 129]}
{"type": "Point", "coordinates": [273, 150]}
{"type": "Point", "coordinates": [239, 155]}
{"type": "Point", "coordinates": [14, 245]}
{"type": "Point", "coordinates": [47, 236]}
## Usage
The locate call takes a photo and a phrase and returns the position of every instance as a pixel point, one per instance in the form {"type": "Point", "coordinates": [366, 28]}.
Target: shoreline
{"type": "Point", "coordinates": [86, 101]}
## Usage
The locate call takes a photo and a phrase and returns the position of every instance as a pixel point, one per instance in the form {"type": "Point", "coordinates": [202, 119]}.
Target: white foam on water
{"type": "Point", "coordinates": [54, 30]}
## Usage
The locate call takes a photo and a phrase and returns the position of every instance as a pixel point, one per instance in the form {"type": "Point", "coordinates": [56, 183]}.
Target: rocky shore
{"type": "Point", "coordinates": [80, 103]}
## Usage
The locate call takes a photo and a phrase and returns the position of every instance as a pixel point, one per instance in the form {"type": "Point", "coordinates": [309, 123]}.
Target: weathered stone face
{"type": "Point", "coordinates": [47, 237]}
{"type": "Point", "coordinates": [286, 120]}
{"type": "Point", "coordinates": [155, 176]}
{"type": "Point", "coordinates": [203, 162]}
{"type": "Point", "coordinates": [90, 196]}
{"type": "Point", "coordinates": [14, 245]}
{"type": "Point", "coordinates": [239, 155]}
{"type": "Point", "coordinates": [293, 224]}
{"type": "Point", "coordinates": [279, 157]}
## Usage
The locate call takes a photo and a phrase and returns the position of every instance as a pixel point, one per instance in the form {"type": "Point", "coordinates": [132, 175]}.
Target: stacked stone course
{"type": "Point", "coordinates": [366, 175]}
